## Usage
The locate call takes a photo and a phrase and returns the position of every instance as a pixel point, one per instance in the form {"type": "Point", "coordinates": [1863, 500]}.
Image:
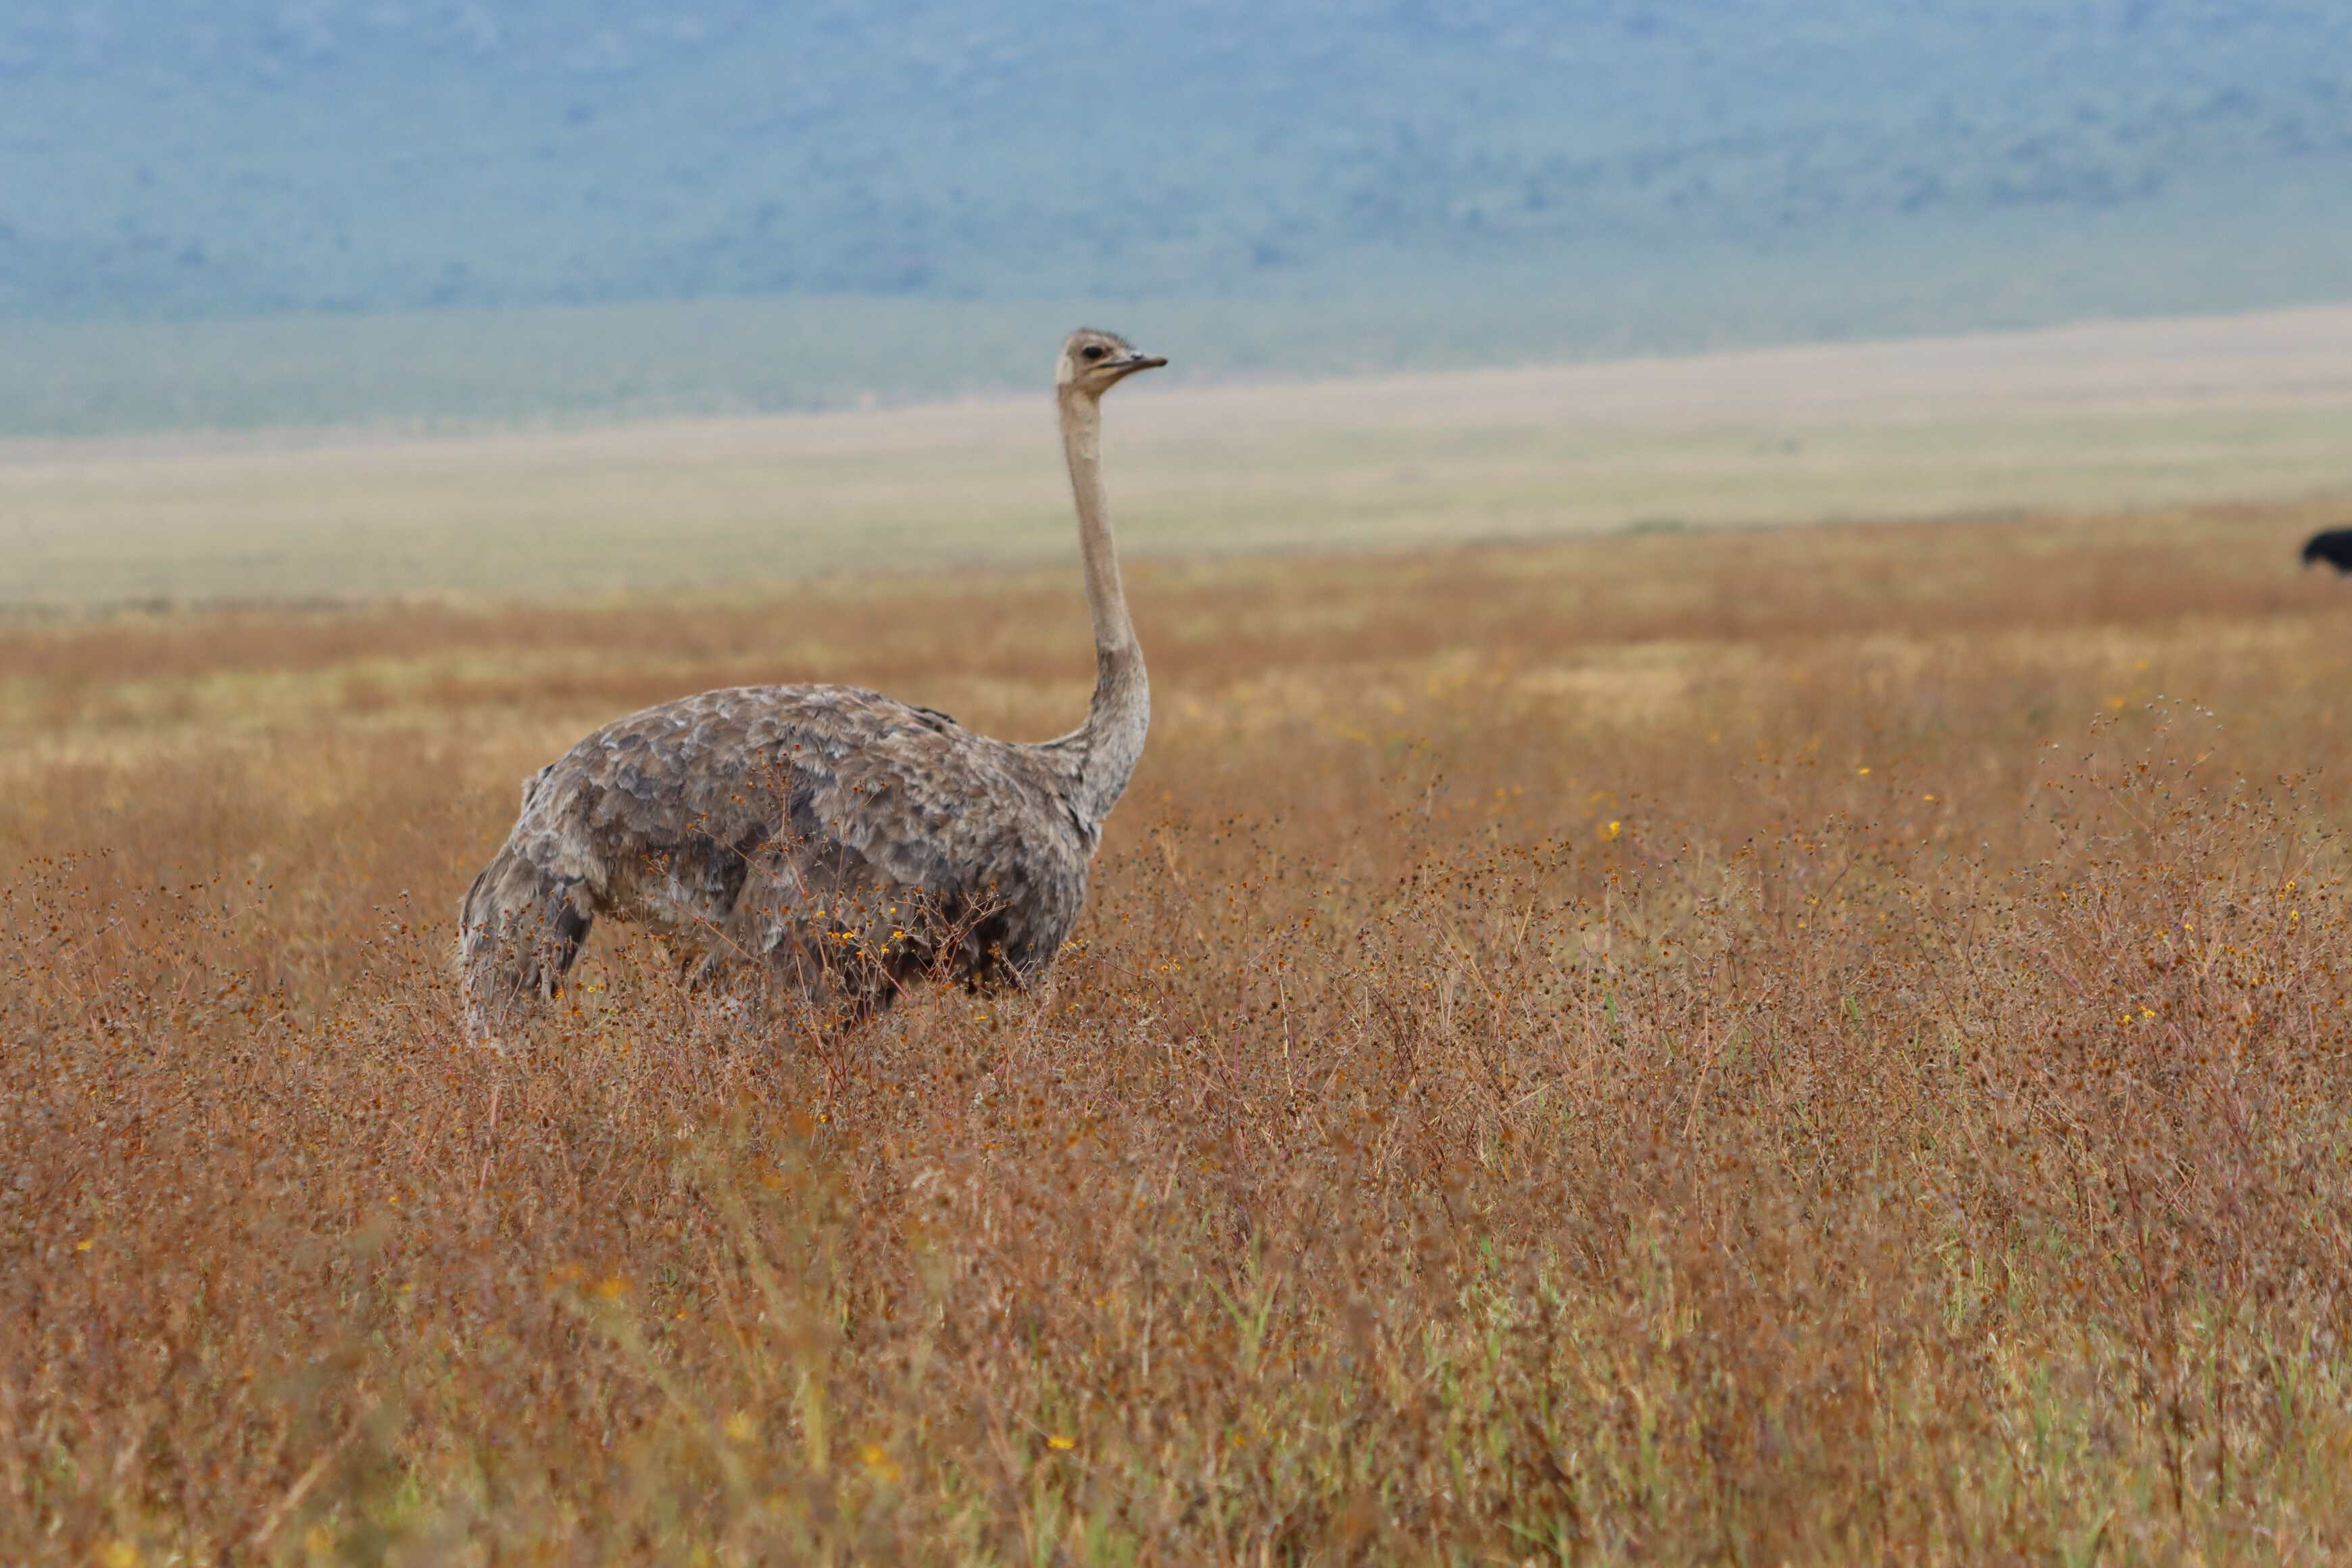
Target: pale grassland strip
{"type": "Point", "coordinates": [2121, 414]}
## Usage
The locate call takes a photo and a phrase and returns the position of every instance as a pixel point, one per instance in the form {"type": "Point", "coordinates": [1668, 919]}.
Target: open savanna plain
{"type": "Point", "coordinates": [1751, 1045]}
{"type": "Point", "coordinates": [1588, 1042]}
{"type": "Point", "coordinates": [2100, 416]}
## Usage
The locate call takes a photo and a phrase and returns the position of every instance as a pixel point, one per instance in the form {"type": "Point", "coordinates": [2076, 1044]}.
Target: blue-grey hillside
{"type": "Point", "coordinates": [242, 157]}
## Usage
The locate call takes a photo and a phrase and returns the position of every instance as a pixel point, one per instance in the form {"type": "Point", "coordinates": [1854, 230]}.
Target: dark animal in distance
{"type": "Point", "coordinates": [2335, 547]}
{"type": "Point", "coordinates": [846, 841]}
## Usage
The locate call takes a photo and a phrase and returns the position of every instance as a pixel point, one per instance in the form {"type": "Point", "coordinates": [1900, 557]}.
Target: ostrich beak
{"type": "Point", "coordinates": [1128, 367]}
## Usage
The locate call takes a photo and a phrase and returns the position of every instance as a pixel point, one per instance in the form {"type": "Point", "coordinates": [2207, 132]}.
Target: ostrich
{"type": "Point", "coordinates": [847, 841]}
{"type": "Point", "coordinates": [2335, 547]}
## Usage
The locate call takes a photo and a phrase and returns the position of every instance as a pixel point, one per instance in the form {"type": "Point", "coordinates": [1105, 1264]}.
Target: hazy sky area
{"type": "Point", "coordinates": [1459, 181]}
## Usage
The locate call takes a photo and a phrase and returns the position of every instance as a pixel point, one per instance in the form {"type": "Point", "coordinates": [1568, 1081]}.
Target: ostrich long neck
{"type": "Point", "coordinates": [1111, 742]}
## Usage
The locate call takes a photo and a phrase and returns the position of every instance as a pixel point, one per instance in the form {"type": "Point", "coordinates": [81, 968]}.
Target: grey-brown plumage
{"type": "Point", "coordinates": [844, 839]}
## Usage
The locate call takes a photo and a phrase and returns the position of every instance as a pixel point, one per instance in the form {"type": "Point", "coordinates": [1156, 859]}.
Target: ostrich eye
{"type": "Point", "coordinates": [1095, 351]}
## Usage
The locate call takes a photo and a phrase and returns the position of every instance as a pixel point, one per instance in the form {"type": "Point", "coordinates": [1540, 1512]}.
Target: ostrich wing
{"type": "Point", "coordinates": [797, 798]}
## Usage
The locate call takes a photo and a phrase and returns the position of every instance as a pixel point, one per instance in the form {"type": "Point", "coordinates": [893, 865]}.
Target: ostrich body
{"type": "Point", "coordinates": [845, 839]}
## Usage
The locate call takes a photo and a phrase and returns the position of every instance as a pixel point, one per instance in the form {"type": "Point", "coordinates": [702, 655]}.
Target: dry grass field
{"type": "Point", "coordinates": [1775, 1046]}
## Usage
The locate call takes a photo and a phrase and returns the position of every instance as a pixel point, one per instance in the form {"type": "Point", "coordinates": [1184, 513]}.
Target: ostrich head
{"type": "Point", "coordinates": [1093, 363]}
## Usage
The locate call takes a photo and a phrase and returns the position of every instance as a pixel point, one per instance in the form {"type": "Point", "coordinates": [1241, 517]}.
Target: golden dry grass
{"type": "Point", "coordinates": [1816, 1045]}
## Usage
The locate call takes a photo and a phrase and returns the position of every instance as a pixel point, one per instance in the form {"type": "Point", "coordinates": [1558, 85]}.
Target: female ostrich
{"type": "Point", "coordinates": [848, 841]}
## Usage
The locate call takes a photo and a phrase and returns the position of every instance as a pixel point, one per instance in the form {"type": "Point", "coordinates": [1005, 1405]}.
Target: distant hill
{"type": "Point", "coordinates": [193, 158]}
